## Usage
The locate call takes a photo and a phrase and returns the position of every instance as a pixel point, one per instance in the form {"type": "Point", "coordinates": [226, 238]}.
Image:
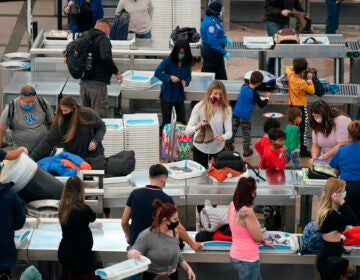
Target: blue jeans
{"type": "Point", "coordinates": [271, 28]}
{"type": "Point", "coordinates": [247, 270]}
{"type": "Point", "coordinates": [294, 156]}
{"type": "Point", "coordinates": [144, 36]}
{"type": "Point", "coordinates": [333, 14]}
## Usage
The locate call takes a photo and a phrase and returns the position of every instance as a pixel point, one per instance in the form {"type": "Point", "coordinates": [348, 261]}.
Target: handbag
{"type": "Point", "coordinates": [75, 9]}
{"type": "Point", "coordinates": [286, 36]}
{"type": "Point", "coordinates": [321, 172]}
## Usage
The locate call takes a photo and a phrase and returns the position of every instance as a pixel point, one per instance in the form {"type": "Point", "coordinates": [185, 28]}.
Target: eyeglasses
{"type": "Point", "coordinates": [29, 93]}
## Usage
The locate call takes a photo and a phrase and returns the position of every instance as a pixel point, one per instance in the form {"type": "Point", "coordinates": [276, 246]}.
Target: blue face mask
{"type": "Point", "coordinates": [220, 15]}
{"type": "Point", "coordinates": [28, 107]}
{"type": "Point", "coordinates": [181, 56]}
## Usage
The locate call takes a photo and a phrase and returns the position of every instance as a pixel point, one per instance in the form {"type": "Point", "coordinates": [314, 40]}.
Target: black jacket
{"type": "Point", "coordinates": [273, 9]}
{"type": "Point", "coordinates": [103, 64]}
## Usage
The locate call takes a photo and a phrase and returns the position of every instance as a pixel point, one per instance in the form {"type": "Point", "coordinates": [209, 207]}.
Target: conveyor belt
{"type": "Point", "coordinates": [353, 49]}
{"type": "Point", "coordinates": [240, 50]}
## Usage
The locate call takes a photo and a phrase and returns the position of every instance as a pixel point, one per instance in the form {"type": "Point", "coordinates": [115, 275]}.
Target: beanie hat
{"type": "Point", "coordinates": [215, 8]}
{"type": "Point", "coordinates": [337, 266]}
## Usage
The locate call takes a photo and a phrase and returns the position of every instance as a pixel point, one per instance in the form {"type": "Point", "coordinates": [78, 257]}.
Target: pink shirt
{"type": "Point", "coordinates": [243, 247]}
{"type": "Point", "coordinates": [338, 134]}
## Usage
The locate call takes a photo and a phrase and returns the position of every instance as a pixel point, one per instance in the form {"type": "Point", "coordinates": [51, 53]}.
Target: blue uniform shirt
{"type": "Point", "coordinates": [213, 34]}
{"type": "Point", "coordinates": [347, 161]}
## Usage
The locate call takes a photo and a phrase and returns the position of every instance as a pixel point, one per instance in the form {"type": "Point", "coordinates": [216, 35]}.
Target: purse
{"type": "Point", "coordinates": [321, 172]}
{"type": "Point", "coordinates": [286, 36]}
{"type": "Point", "coordinates": [75, 9]}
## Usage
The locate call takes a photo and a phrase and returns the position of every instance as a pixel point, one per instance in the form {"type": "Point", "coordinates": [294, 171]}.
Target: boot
{"type": "Point", "coordinates": [200, 137]}
{"type": "Point", "coordinates": [300, 16]}
{"type": "Point", "coordinates": [229, 146]}
{"type": "Point", "coordinates": [247, 151]}
{"type": "Point", "coordinates": [307, 29]}
{"type": "Point", "coordinates": [209, 135]}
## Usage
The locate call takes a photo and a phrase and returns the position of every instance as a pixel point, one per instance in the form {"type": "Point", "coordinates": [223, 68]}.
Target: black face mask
{"type": "Point", "coordinates": [67, 116]}
{"type": "Point", "coordinates": [173, 225]}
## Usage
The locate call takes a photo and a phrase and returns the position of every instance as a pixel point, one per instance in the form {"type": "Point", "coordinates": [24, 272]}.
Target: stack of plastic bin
{"type": "Point", "coordinates": [113, 141]}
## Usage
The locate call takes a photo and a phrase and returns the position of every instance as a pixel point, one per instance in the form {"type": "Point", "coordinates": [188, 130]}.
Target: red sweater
{"type": "Point", "coordinates": [261, 144]}
{"type": "Point", "coordinates": [272, 160]}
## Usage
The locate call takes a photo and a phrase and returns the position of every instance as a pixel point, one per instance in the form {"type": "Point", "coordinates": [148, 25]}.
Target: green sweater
{"type": "Point", "coordinates": [292, 141]}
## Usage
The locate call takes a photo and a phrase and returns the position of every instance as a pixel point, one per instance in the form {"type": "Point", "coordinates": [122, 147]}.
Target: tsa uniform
{"type": "Point", "coordinates": [213, 46]}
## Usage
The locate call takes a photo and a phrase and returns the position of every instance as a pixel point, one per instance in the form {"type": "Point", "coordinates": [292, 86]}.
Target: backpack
{"type": "Point", "coordinates": [120, 26]}
{"type": "Point", "coordinates": [286, 36]}
{"type": "Point", "coordinates": [312, 239]}
{"type": "Point", "coordinates": [78, 55]}
{"type": "Point", "coordinates": [11, 111]}
{"type": "Point", "coordinates": [185, 33]}
{"type": "Point", "coordinates": [230, 159]}
{"type": "Point", "coordinates": [319, 89]}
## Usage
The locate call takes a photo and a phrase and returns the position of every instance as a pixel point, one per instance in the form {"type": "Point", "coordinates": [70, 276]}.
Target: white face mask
{"type": "Point", "coordinates": [343, 195]}
{"type": "Point", "coordinates": [318, 120]}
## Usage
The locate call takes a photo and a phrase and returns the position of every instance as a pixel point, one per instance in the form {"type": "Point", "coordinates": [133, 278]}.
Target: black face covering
{"type": "Point", "coordinates": [68, 116]}
{"type": "Point", "coordinates": [173, 225]}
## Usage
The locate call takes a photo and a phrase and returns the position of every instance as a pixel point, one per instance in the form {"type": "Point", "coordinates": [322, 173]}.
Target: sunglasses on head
{"type": "Point", "coordinates": [29, 93]}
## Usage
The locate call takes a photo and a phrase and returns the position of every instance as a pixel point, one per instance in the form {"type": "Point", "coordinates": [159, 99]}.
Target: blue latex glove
{"type": "Point", "coordinates": [227, 55]}
{"type": "Point", "coordinates": [229, 43]}
{"type": "Point", "coordinates": [333, 88]}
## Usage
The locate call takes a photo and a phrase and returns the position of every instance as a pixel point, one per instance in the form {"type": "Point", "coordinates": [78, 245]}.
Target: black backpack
{"type": "Point", "coordinates": [78, 56]}
{"type": "Point", "coordinates": [11, 111]}
{"type": "Point", "coordinates": [319, 89]}
{"type": "Point", "coordinates": [120, 26]}
{"type": "Point", "coordinates": [185, 33]}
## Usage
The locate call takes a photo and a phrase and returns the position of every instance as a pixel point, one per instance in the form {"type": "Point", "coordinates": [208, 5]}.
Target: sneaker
{"type": "Point", "coordinates": [248, 152]}
{"type": "Point", "coordinates": [304, 153]}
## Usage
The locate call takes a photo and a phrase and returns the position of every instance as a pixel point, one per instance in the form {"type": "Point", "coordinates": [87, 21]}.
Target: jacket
{"type": "Point", "coordinates": [103, 64]}
{"type": "Point", "coordinates": [172, 92]}
{"type": "Point", "coordinates": [213, 34]}
{"type": "Point", "coordinates": [12, 217]}
{"type": "Point", "coordinates": [273, 9]}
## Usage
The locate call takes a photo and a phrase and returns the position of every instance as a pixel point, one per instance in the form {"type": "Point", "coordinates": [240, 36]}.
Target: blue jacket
{"type": "Point", "coordinates": [12, 217]}
{"type": "Point", "coordinates": [246, 102]}
{"type": "Point", "coordinates": [213, 34]}
{"type": "Point", "coordinates": [172, 92]}
{"type": "Point", "coordinates": [97, 11]}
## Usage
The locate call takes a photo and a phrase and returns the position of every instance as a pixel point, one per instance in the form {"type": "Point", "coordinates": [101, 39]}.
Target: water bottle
{"type": "Point", "coordinates": [88, 62]}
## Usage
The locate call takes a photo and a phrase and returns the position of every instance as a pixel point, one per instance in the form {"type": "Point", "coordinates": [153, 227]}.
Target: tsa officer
{"type": "Point", "coordinates": [213, 42]}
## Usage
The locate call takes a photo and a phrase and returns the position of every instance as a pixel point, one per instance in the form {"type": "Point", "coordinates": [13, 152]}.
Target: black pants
{"type": "Point", "coordinates": [150, 276]}
{"type": "Point", "coordinates": [213, 61]}
{"type": "Point", "coordinates": [328, 249]}
{"type": "Point", "coordinates": [5, 274]}
{"type": "Point", "coordinates": [303, 126]}
{"type": "Point", "coordinates": [166, 108]}
{"type": "Point", "coordinates": [353, 196]}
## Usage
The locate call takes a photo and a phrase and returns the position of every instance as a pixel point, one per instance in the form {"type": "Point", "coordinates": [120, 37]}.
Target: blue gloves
{"type": "Point", "coordinates": [229, 43]}
{"type": "Point", "coordinates": [227, 55]}
{"type": "Point", "coordinates": [333, 88]}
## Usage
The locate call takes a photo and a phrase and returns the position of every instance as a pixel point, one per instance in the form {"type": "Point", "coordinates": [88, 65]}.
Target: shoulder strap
{"type": "Point", "coordinates": [11, 112]}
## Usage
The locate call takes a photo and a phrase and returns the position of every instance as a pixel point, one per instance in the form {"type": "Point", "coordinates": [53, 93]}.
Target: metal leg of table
{"type": "Point", "coordinates": [289, 213]}
{"type": "Point", "coordinates": [278, 66]}
{"type": "Point", "coordinates": [262, 60]}
{"type": "Point", "coordinates": [339, 70]}
{"type": "Point", "coordinates": [305, 209]}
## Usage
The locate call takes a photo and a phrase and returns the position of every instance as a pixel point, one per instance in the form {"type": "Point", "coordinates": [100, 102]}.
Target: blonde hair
{"type": "Point", "coordinates": [206, 101]}
{"type": "Point", "coordinates": [332, 185]}
{"type": "Point", "coordinates": [73, 196]}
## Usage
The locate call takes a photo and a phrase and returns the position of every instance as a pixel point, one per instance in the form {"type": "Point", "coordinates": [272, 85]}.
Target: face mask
{"type": "Point", "coordinates": [181, 56]}
{"type": "Point", "coordinates": [278, 146]}
{"type": "Point", "coordinates": [215, 99]}
{"type": "Point", "coordinates": [173, 225]}
{"type": "Point", "coordinates": [67, 116]}
{"type": "Point", "coordinates": [28, 107]}
{"type": "Point", "coordinates": [343, 195]}
{"type": "Point", "coordinates": [220, 15]}
{"type": "Point", "coordinates": [318, 120]}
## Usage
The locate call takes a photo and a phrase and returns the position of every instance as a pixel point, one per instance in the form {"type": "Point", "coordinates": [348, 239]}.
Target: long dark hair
{"type": "Point", "coordinates": [162, 210]}
{"type": "Point", "coordinates": [243, 195]}
{"type": "Point", "coordinates": [181, 44]}
{"type": "Point", "coordinates": [327, 114]}
{"type": "Point", "coordinates": [78, 117]}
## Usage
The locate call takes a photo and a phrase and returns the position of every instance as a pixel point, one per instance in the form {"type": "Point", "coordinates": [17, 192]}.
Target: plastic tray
{"type": "Point", "coordinates": [288, 243]}
{"type": "Point", "coordinates": [216, 246]}
{"type": "Point", "coordinates": [192, 45]}
{"type": "Point", "coordinates": [184, 169]}
{"type": "Point", "coordinates": [139, 79]}
{"type": "Point", "coordinates": [21, 235]}
{"type": "Point", "coordinates": [313, 182]}
{"type": "Point", "coordinates": [322, 40]}
{"type": "Point", "coordinates": [121, 43]}
{"type": "Point", "coordinates": [258, 42]}
{"type": "Point", "coordinates": [124, 269]}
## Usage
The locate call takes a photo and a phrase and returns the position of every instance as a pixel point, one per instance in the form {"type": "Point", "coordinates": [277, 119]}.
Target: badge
{"type": "Point", "coordinates": [211, 29]}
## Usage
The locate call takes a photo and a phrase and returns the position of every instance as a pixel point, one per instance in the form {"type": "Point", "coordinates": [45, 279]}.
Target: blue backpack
{"type": "Point", "coordinates": [312, 239]}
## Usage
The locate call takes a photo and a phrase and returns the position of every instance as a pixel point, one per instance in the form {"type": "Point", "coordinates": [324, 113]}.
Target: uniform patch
{"type": "Point", "coordinates": [211, 29]}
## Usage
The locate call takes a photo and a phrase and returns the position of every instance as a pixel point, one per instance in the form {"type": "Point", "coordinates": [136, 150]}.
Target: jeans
{"type": "Point", "coordinates": [245, 127]}
{"type": "Point", "coordinates": [144, 36]}
{"type": "Point", "coordinates": [247, 270]}
{"type": "Point", "coordinates": [294, 156]}
{"type": "Point", "coordinates": [333, 14]}
{"type": "Point", "coordinates": [271, 28]}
